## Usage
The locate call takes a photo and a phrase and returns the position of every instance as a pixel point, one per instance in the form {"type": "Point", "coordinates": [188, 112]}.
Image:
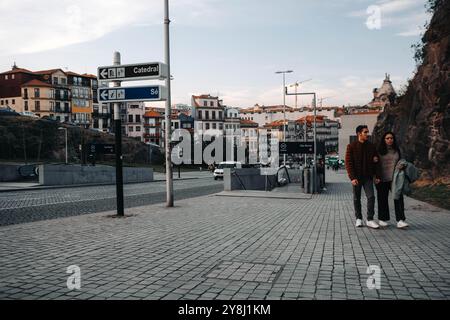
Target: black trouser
{"type": "Point", "coordinates": [383, 203]}
{"type": "Point", "coordinates": [367, 184]}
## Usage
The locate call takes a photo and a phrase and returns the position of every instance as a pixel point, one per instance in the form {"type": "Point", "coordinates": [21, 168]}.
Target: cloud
{"type": "Point", "coordinates": [407, 16]}
{"type": "Point", "coordinates": [349, 89]}
{"type": "Point", "coordinates": [29, 26]}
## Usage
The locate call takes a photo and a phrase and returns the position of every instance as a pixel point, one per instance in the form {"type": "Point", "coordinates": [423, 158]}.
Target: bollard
{"type": "Point", "coordinates": [306, 180]}
{"type": "Point", "coordinates": [302, 180]}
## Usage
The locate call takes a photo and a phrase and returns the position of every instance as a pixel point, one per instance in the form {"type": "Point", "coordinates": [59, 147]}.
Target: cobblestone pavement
{"type": "Point", "coordinates": [26, 206]}
{"type": "Point", "coordinates": [214, 247]}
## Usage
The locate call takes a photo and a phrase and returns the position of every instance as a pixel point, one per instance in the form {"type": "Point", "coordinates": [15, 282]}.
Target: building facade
{"type": "Point", "coordinates": [268, 114]}
{"type": "Point", "coordinates": [208, 113]}
{"type": "Point", "coordinates": [383, 96]}
{"type": "Point", "coordinates": [64, 96]}
{"type": "Point", "coordinates": [134, 120]}
{"type": "Point", "coordinates": [153, 127]}
{"type": "Point", "coordinates": [38, 98]}
{"type": "Point", "coordinates": [82, 99]}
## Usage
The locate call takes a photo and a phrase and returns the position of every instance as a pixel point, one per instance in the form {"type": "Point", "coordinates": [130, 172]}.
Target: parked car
{"type": "Point", "coordinates": [8, 112]}
{"type": "Point", "coordinates": [29, 114]}
{"type": "Point", "coordinates": [218, 172]}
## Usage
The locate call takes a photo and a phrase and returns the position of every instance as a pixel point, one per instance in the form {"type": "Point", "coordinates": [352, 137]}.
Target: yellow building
{"type": "Point", "coordinates": [82, 99]}
{"type": "Point", "coordinates": [37, 98]}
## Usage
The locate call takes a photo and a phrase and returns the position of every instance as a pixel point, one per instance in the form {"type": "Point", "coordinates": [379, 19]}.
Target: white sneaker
{"type": "Point", "coordinates": [402, 224]}
{"type": "Point", "coordinates": [359, 223]}
{"type": "Point", "coordinates": [383, 223]}
{"type": "Point", "coordinates": [372, 224]}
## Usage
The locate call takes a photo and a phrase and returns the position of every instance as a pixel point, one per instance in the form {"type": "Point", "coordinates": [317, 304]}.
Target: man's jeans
{"type": "Point", "coordinates": [367, 184]}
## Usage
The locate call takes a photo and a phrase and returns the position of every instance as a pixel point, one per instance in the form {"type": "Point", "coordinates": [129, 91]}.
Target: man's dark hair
{"type": "Point", "coordinates": [360, 128]}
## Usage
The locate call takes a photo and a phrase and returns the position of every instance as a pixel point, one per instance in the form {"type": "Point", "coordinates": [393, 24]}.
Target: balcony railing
{"type": "Point", "coordinates": [152, 135]}
{"type": "Point", "coordinates": [150, 125]}
{"type": "Point", "coordinates": [61, 97]}
{"type": "Point", "coordinates": [62, 110]}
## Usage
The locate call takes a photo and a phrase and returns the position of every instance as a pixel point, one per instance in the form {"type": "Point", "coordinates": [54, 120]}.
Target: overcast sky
{"type": "Point", "coordinates": [229, 48]}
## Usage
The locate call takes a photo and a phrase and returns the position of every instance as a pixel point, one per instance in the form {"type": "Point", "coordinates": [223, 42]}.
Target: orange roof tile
{"type": "Point", "coordinates": [276, 123]}
{"type": "Point", "coordinates": [153, 114]}
{"type": "Point", "coordinates": [87, 75]}
{"type": "Point", "coordinates": [310, 119]}
{"type": "Point", "coordinates": [244, 121]}
{"type": "Point", "coordinates": [364, 113]}
{"type": "Point", "coordinates": [19, 70]}
{"type": "Point", "coordinates": [48, 71]}
{"type": "Point", "coordinates": [71, 73]}
{"type": "Point", "coordinates": [36, 83]}
{"type": "Point", "coordinates": [204, 96]}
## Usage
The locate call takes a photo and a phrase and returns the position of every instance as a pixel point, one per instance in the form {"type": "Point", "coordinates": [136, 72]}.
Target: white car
{"type": "Point", "coordinates": [29, 114]}
{"type": "Point", "coordinates": [218, 172]}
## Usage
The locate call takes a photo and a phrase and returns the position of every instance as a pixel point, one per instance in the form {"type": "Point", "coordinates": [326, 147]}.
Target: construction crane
{"type": "Point", "coordinates": [321, 99]}
{"type": "Point", "coordinates": [296, 84]}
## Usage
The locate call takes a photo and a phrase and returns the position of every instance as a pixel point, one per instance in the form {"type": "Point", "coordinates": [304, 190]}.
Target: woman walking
{"type": "Point", "coordinates": [389, 156]}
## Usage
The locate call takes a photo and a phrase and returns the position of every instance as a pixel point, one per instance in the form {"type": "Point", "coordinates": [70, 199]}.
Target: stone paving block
{"type": "Point", "coordinates": [267, 248]}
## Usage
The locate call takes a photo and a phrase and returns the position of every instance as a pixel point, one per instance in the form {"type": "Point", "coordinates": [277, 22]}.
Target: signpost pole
{"type": "Point", "coordinates": [315, 148]}
{"type": "Point", "coordinates": [169, 181]}
{"type": "Point", "coordinates": [314, 168]}
{"type": "Point", "coordinates": [118, 136]}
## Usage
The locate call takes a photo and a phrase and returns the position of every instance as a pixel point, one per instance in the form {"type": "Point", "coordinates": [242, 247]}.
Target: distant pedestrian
{"type": "Point", "coordinates": [321, 173]}
{"type": "Point", "coordinates": [336, 166]}
{"type": "Point", "coordinates": [361, 160]}
{"type": "Point", "coordinates": [389, 156]}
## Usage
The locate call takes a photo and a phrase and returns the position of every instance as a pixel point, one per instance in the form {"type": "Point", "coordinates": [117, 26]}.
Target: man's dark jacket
{"type": "Point", "coordinates": [359, 160]}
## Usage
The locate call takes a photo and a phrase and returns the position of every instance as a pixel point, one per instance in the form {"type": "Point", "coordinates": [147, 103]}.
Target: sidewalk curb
{"type": "Point", "coordinates": [83, 185]}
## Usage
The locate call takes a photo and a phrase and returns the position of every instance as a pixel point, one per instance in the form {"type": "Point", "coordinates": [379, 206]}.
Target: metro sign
{"type": "Point", "coordinates": [296, 147]}
{"type": "Point", "coordinates": [141, 71]}
{"type": "Point", "coordinates": [128, 94]}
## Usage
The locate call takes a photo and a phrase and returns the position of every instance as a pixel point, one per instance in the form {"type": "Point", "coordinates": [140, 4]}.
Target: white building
{"type": "Point", "coordinates": [134, 120]}
{"type": "Point", "coordinates": [232, 119]}
{"type": "Point", "coordinates": [349, 122]}
{"type": "Point", "coordinates": [268, 114]}
{"type": "Point", "coordinates": [208, 113]}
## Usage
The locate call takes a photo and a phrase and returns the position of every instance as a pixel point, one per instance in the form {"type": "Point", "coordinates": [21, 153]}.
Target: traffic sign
{"type": "Point", "coordinates": [296, 148]}
{"type": "Point", "coordinates": [125, 94]}
{"type": "Point", "coordinates": [101, 148]}
{"type": "Point", "coordinates": [130, 72]}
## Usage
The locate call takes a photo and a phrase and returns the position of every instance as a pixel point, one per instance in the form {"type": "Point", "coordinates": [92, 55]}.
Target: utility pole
{"type": "Point", "coordinates": [314, 172]}
{"type": "Point", "coordinates": [169, 178]}
{"type": "Point", "coordinates": [315, 149]}
{"type": "Point", "coordinates": [284, 108]}
{"type": "Point", "coordinates": [118, 136]}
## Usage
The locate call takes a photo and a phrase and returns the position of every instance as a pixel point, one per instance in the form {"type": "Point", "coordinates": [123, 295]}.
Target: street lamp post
{"type": "Point", "coordinates": [315, 148]}
{"type": "Point", "coordinates": [169, 178]}
{"type": "Point", "coordinates": [65, 129]}
{"type": "Point", "coordinates": [314, 136]}
{"type": "Point", "coordinates": [284, 107]}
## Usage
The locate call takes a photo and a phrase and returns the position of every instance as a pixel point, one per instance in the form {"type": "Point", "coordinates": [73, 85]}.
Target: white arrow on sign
{"type": "Point", "coordinates": [104, 94]}
{"type": "Point", "coordinates": [104, 73]}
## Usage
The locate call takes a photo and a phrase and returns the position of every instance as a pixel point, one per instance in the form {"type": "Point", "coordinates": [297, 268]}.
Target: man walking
{"type": "Point", "coordinates": [361, 159]}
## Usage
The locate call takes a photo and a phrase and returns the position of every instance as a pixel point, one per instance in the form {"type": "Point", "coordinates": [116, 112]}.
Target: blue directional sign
{"type": "Point", "coordinates": [127, 94]}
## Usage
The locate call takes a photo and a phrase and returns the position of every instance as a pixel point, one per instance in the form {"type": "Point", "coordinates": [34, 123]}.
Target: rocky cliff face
{"type": "Point", "coordinates": [421, 117]}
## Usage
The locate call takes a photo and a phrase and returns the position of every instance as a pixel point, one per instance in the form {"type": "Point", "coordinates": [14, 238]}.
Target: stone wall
{"type": "Point", "coordinates": [50, 175]}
